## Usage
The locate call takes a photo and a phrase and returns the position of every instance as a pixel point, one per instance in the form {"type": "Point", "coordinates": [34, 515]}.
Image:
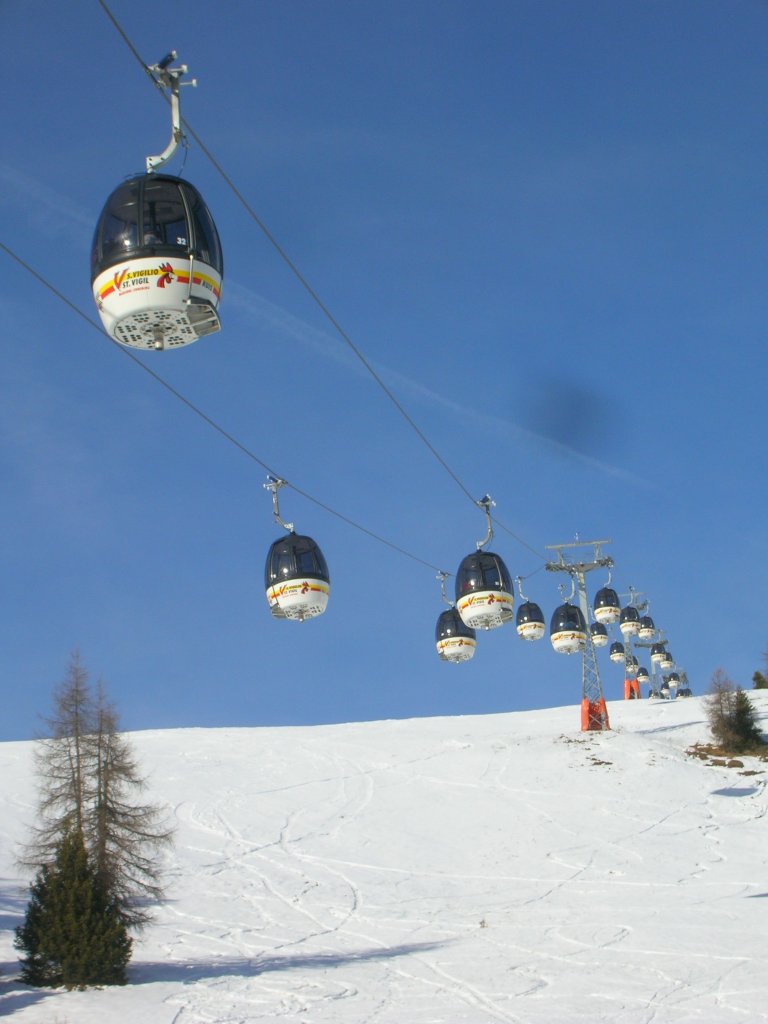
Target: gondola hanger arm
{"type": "Point", "coordinates": [486, 503]}
{"type": "Point", "coordinates": [274, 484]}
{"type": "Point", "coordinates": [166, 77]}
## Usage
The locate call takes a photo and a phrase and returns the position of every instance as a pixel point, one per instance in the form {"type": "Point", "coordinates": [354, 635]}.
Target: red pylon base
{"type": "Point", "coordinates": [631, 689]}
{"type": "Point", "coordinates": [594, 715]}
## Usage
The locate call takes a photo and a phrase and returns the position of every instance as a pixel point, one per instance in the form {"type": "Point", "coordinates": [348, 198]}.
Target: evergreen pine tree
{"type": "Point", "coordinates": [732, 717]}
{"type": "Point", "coordinates": [760, 679]}
{"type": "Point", "coordinates": [73, 933]}
{"type": "Point", "coordinates": [745, 722]}
{"type": "Point", "coordinates": [88, 783]}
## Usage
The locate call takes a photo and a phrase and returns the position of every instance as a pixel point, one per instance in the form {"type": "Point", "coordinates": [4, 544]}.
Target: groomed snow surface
{"type": "Point", "coordinates": [436, 871]}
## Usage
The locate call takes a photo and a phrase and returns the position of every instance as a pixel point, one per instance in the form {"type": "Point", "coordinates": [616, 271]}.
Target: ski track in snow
{"type": "Point", "coordinates": [466, 871]}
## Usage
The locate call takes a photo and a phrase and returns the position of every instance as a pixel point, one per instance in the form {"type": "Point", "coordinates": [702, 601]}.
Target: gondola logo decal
{"type": "Point", "coordinates": [167, 275]}
{"type": "Point", "coordinates": [126, 281]}
{"type": "Point", "coordinates": [469, 602]}
{"type": "Point", "coordinates": [304, 587]}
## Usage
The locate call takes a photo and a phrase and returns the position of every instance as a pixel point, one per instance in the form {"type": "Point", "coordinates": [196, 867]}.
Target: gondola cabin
{"type": "Point", "coordinates": [616, 652]}
{"type": "Point", "coordinates": [529, 621]}
{"type": "Point", "coordinates": [156, 264]}
{"type": "Point", "coordinates": [646, 629]}
{"type": "Point", "coordinates": [606, 606]}
{"type": "Point", "coordinates": [599, 634]}
{"type": "Point", "coordinates": [631, 667]}
{"type": "Point", "coordinates": [567, 629]}
{"type": "Point", "coordinates": [657, 653]}
{"type": "Point", "coordinates": [667, 662]}
{"type": "Point", "coordinates": [629, 621]}
{"type": "Point", "coordinates": [642, 675]}
{"type": "Point", "coordinates": [484, 595]}
{"type": "Point", "coordinates": [296, 578]}
{"type": "Point", "coordinates": [454, 640]}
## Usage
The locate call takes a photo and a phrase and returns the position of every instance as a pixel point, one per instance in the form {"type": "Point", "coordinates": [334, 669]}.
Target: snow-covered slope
{"type": "Point", "coordinates": [503, 868]}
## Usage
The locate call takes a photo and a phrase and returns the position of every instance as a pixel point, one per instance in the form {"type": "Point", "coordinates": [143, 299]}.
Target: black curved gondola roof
{"type": "Point", "coordinates": [450, 623]}
{"type": "Point", "coordinates": [294, 556]}
{"type": "Point", "coordinates": [529, 611]}
{"type": "Point", "coordinates": [567, 616]}
{"type": "Point", "coordinates": [482, 570]}
{"type": "Point", "coordinates": [155, 215]}
{"type": "Point", "coordinates": [606, 597]}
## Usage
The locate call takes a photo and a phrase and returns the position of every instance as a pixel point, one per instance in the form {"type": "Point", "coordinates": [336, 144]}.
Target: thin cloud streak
{"type": "Point", "coordinates": [327, 346]}
{"type": "Point", "coordinates": [59, 212]}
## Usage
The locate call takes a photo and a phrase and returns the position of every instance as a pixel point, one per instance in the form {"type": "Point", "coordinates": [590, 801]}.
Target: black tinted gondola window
{"type": "Point", "coordinates": [280, 566]}
{"type": "Point", "coordinates": [164, 220]}
{"type": "Point", "coordinates": [305, 563]}
{"type": "Point", "coordinates": [206, 245]}
{"type": "Point", "coordinates": [310, 562]}
{"type": "Point", "coordinates": [492, 576]}
{"type": "Point", "coordinates": [120, 223]}
{"type": "Point", "coordinates": [467, 579]}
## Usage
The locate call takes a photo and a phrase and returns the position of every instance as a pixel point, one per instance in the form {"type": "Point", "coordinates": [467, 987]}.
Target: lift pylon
{"type": "Point", "coordinates": [594, 713]}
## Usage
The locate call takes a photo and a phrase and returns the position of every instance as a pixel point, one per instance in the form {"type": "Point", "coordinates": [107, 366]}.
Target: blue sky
{"type": "Point", "coordinates": [543, 224]}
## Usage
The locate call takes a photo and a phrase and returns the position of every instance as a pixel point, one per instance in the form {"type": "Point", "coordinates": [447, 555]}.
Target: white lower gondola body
{"type": "Point", "coordinates": [298, 599]}
{"type": "Point", "coordinates": [569, 641]}
{"type": "Point", "coordinates": [158, 303]}
{"type": "Point", "coordinates": [531, 630]}
{"type": "Point", "coordinates": [486, 609]}
{"type": "Point", "coordinates": [456, 648]}
{"type": "Point", "coordinates": [607, 614]}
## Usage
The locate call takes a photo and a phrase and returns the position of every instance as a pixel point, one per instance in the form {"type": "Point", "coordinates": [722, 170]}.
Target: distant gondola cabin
{"type": "Point", "coordinates": [529, 621]}
{"type": "Point", "coordinates": [484, 596]}
{"type": "Point", "coordinates": [599, 634]}
{"type": "Point", "coordinates": [454, 640]}
{"type": "Point", "coordinates": [568, 630]}
{"type": "Point", "coordinates": [606, 606]}
{"type": "Point", "coordinates": [629, 621]}
{"type": "Point", "coordinates": [296, 578]}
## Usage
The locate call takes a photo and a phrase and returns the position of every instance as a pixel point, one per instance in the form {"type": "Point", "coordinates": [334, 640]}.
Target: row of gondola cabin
{"type": "Point", "coordinates": [484, 594]}
{"type": "Point", "coordinates": [657, 653]}
{"type": "Point", "coordinates": [599, 634]}
{"type": "Point", "coordinates": [455, 641]}
{"type": "Point", "coordinates": [296, 578]}
{"type": "Point", "coordinates": [530, 621]}
{"type": "Point", "coordinates": [629, 621]}
{"type": "Point", "coordinates": [156, 264]}
{"type": "Point", "coordinates": [606, 606]}
{"type": "Point", "coordinates": [568, 630]}
{"type": "Point", "coordinates": [646, 628]}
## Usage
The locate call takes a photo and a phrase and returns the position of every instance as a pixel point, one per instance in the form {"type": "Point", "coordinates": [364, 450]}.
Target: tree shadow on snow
{"type": "Point", "coordinates": [16, 996]}
{"type": "Point", "coordinates": [148, 972]}
{"type": "Point", "coordinates": [13, 902]}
